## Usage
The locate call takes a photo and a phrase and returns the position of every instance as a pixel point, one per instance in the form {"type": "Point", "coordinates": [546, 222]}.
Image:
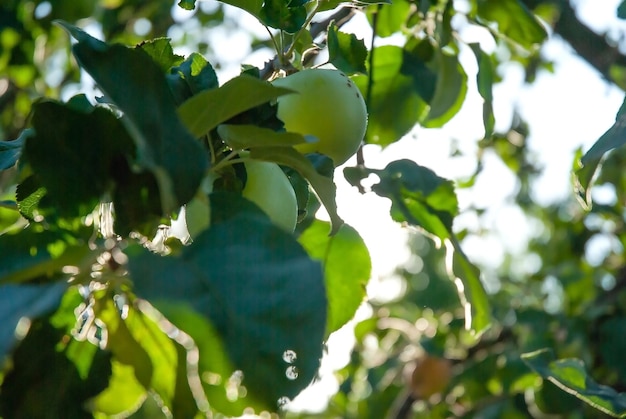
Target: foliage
{"type": "Point", "coordinates": [231, 315]}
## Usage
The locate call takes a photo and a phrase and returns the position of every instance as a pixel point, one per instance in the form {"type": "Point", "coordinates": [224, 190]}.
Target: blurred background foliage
{"type": "Point", "coordinates": [565, 290]}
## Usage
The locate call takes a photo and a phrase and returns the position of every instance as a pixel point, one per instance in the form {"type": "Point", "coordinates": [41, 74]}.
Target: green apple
{"type": "Point", "coordinates": [327, 105]}
{"type": "Point", "coordinates": [269, 188]}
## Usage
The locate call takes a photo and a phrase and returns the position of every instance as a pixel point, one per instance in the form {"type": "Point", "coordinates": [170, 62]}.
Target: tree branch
{"type": "Point", "coordinates": [594, 48]}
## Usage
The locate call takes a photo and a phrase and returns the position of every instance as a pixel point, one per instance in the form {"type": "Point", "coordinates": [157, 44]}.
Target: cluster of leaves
{"type": "Point", "coordinates": [237, 319]}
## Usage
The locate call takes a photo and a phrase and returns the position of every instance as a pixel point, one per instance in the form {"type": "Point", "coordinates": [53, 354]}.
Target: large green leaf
{"type": "Point", "coordinates": [390, 18]}
{"type": "Point", "coordinates": [514, 20]}
{"type": "Point", "coordinates": [208, 109]}
{"type": "Point", "coordinates": [25, 302]}
{"type": "Point", "coordinates": [259, 289]}
{"type": "Point", "coordinates": [570, 375]}
{"type": "Point", "coordinates": [347, 269]}
{"type": "Point", "coordinates": [137, 85]}
{"type": "Point", "coordinates": [395, 105]}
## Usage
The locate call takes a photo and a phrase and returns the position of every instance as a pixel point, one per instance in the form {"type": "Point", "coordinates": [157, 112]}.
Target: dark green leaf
{"type": "Point", "coordinates": [347, 269]}
{"type": "Point", "coordinates": [85, 146]}
{"type": "Point", "coordinates": [260, 290]}
{"type": "Point", "coordinates": [514, 21]}
{"type": "Point", "coordinates": [25, 301]}
{"type": "Point", "coordinates": [418, 196]}
{"type": "Point", "coordinates": [345, 51]}
{"type": "Point", "coordinates": [45, 383]}
{"type": "Point", "coordinates": [279, 14]}
{"type": "Point", "coordinates": [614, 137]}
{"type": "Point", "coordinates": [138, 87]}
{"type": "Point", "coordinates": [570, 375]}
{"type": "Point", "coordinates": [208, 109]}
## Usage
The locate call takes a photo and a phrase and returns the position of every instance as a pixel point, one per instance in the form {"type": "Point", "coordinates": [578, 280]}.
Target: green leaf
{"type": "Point", "coordinates": [586, 167]}
{"type": "Point", "coordinates": [161, 52]}
{"type": "Point", "coordinates": [324, 187]}
{"type": "Point", "coordinates": [418, 196]}
{"type": "Point", "coordinates": [138, 87]}
{"type": "Point", "coordinates": [187, 4]}
{"type": "Point", "coordinates": [485, 79]}
{"type": "Point", "coordinates": [395, 104]}
{"type": "Point", "coordinates": [206, 110]}
{"type": "Point", "coordinates": [450, 91]}
{"type": "Point", "coordinates": [570, 376]}
{"type": "Point", "coordinates": [89, 145]}
{"type": "Point", "coordinates": [614, 137]}
{"type": "Point", "coordinates": [280, 14]}
{"type": "Point", "coordinates": [257, 286]}
{"type": "Point", "coordinates": [470, 289]}
{"type": "Point", "coordinates": [191, 77]}
{"type": "Point", "coordinates": [347, 269]}
{"type": "Point", "coordinates": [35, 389]}
{"type": "Point", "coordinates": [391, 17]}
{"type": "Point", "coordinates": [514, 20]}
{"type": "Point", "coordinates": [10, 151]}
{"type": "Point", "coordinates": [345, 51]}
{"type": "Point", "coordinates": [241, 137]}
{"type": "Point", "coordinates": [25, 302]}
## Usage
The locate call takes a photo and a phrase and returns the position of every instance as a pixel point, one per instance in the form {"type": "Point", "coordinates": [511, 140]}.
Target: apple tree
{"type": "Point", "coordinates": [160, 254]}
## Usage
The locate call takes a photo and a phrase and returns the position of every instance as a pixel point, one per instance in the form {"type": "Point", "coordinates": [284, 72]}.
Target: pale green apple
{"type": "Point", "coordinates": [269, 188]}
{"type": "Point", "coordinates": [327, 105]}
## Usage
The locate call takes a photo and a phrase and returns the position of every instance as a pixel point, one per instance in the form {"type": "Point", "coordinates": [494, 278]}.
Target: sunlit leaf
{"type": "Point", "coordinates": [241, 137]}
{"type": "Point", "coordinates": [570, 375]}
{"type": "Point", "coordinates": [347, 269]}
{"type": "Point", "coordinates": [450, 91]}
{"type": "Point", "coordinates": [346, 52]}
{"type": "Point", "coordinates": [161, 52]}
{"type": "Point", "coordinates": [485, 79]}
{"type": "Point", "coordinates": [208, 109]}
{"type": "Point", "coordinates": [395, 105]}
{"type": "Point", "coordinates": [514, 21]}
{"type": "Point", "coordinates": [191, 77]}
